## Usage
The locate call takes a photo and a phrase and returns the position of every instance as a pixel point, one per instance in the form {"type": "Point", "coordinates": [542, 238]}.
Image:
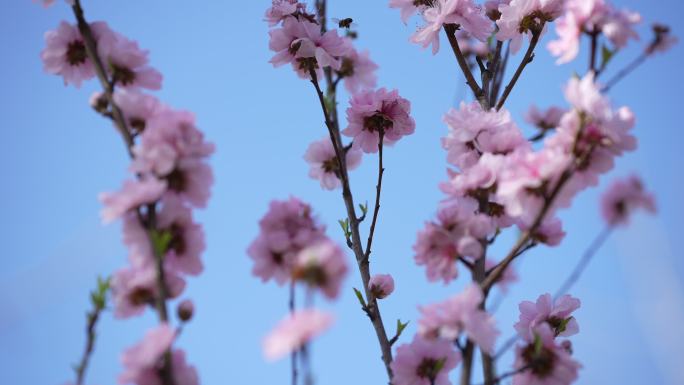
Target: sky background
{"type": "Point", "coordinates": [57, 155]}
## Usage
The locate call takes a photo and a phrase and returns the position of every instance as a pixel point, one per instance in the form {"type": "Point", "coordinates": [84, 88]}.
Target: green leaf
{"type": "Point", "coordinates": [360, 297]}
{"type": "Point", "coordinates": [364, 208]}
{"type": "Point", "coordinates": [606, 56]}
{"type": "Point", "coordinates": [538, 344]}
{"type": "Point", "coordinates": [439, 365]}
{"type": "Point", "coordinates": [160, 241]}
{"type": "Point", "coordinates": [563, 325]}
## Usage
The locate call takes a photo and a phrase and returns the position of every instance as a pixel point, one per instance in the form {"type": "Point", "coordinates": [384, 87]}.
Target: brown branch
{"type": "Point", "coordinates": [624, 72]}
{"type": "Point", "coordinates": [584, 261]}
{"type": "Point", "coordinates": [450, 30]}
{"type": "Point", "coordinates": [362, 261]}
{"type": "Point", "coordinates": [527, 59]}
{"type": "Point", "coordinates": [378, 190]}
{"type": "Point", "coordinates": [593, 36]}
{"type": "Point", "coordinates": [120, 123]}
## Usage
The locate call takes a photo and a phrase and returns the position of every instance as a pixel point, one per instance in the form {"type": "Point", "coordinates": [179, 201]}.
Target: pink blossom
{"type": "Point", "coordinates": [458, 315]}
{"type": "Point", "coordinates": [466, 14]}
{"type": "Point", "coordinates": [623, 197]}
{"type": "Point", "coordinates": [327, 48]}
{"type": "Point", "coordinates": [322, 265]}
{"type": "Point", "coordinates": [133, 194]}
{"type": "Point", "coordinates": [470, 46]}
{"type": "Point", "coordinates": [134, 288]}
{"type": "Point", "coordinates": [145, 357]}
{"type": "Point", "coordinates": [548, 362]}
{"type": "Point", "coordinates": [127, 63]}
{"type": "Point", "coordinates": [455, 234]}
{"type": "Point", "coordinates": [374, 112]}
{"type": "Point", "coordinates": [591, 16]}
{"type": "Point", "coordinates": [381, 285]}
{"type": "Point", "coordinates": [178, 129]}
{"type": "Point", "coordinates": [47, 3]}
{"type": "Point", "coordinates": [324, 165]}
{"type": "Point", "coordinates": [544, 119]}
{"type": "Point", "coordinates": [473, 131]}
{"type": "Point", "coordinates": [408, 7]}
{"type": "Point", "coordinates": [557, 314]}
{"type": "Point", "coordinates": [358, 71]}
{"type": "Point", "coordinates": [424, 362]}
{"type": "Point", "coordinates": [65, 55]}
{"type": "Point", "coordinates": [183, 373]}
{"type": "Point", "coordinates": [295, 331]}
{"type": "Point", "coordinates": [281, 9]}
{"type": "Point", "coordinates": [286, 229]}
{"type": "Point", "coordinates": [138, 108]}
{"type": "Point", "coordinates": [187, 237]}
{"type": "Point", "coordinates": [525, 17]}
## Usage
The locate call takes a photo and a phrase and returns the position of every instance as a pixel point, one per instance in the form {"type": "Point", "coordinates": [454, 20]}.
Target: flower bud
{"type": "Point", "coordinates": [381, 285]}
{"type": "Point", "coordinates": [185, 310]}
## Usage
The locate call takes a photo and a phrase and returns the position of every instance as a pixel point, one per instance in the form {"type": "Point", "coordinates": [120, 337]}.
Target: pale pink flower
{"type": "Point", "coordinates": [473, 131]}
{"type": "Point", "coordinates": [183, 373]}
{"type": "Point", "coordinates": [408, 8]}
{"type": "Point", "coordinates": [458, 315]}
{"type": "Point", "coordinates": [381, 285]}
{"type": "Point", "coordinates": [187, 237]}
{"type": "Point", "coordinates": [324, 165]}
{"type": "Point", "coordinates": [280, 9]}
{"type": "Point", "coordinates": [282, 40]}
{"type": "Point", "coordinates": [295, 331]}
{"type": "Point", "coordinates": [327, 48]}
{"type": "Point", "coordinates": [374, 112]}
{"type": "Point", "coordinates": [471, 47]}
{"type": "Point", "coordinates": [136, 287]}
{"type": "Point", "coordinates": [65, 55]}
{"type": "Point", "coordinates": [525, 17]}
{"type": "Point", "coordinates": [588, 17]}
{"type": "Point", "coordinates": [549, 363]}
{"type": "Point", "coordinates": [132, 195]}
{"type": "Point", "coordinates": [358, 71]}
{"type": "Point", "coordinates": [127, 63]}
{"type": "Point", "coordinates": [286, 229]}
{"type": "Point", "coordinates": [546, 119]}
{"type": "Point", "coordinates": [323, 266]}
{"type": "Point", "coordinates": [424, 362]}
{"type": "Point", "coordinates": [456, 233]}
{"type": "Point", "coordinates": [465, 13]}
{"type": "Point", "coordinates": [178, 129]}
{"type": "Point", "coordinates": [557, 314]}
{"type": "Point", "coordinates": [138, 108]}
{"type": "Point", "coordinates": [144, 358]}
{"type": "Point", "coordinates": [623, 197]}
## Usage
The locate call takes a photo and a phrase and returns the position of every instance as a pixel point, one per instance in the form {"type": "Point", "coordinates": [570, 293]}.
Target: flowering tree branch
{"type": "Point", "coordinates": [98, 299]}
{"type": "Point", "coordinates": [378, 191]}
{"type": "Point", "coordinates": [450, 30]}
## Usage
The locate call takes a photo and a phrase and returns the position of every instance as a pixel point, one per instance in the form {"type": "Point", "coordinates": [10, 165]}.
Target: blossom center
{"type": "Point", "coordinates": [429, 368]}
{"type": "Point", "coordinates": [378, 122]}
{"type": "Point", "coordinates": [177, 180]}
{"type": "Point", "coordinates": [76, 53]}
{"type": "Point", "coordinates": [123, 75]}
{"type": "Point", "coordinates": [541, 362]}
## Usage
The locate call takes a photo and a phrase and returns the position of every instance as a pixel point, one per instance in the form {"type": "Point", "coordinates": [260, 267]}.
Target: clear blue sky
{"type": "Point", "coordinates": [57, 155]}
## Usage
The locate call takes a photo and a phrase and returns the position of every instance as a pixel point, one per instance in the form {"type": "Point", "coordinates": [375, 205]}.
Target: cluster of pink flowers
{"type": "Point", "coordinates": [324, 165]}
{"type": "Point", "coordinates": [541, 358]}
{"type": "Point", "coordinates": [503, 181]}
{"type": "Point", "coordinates": [589, 17]}
{"type": "Point", "coordinates": [525, 17]}
{"type": "Point", "coordinates": [292, 247]}
{"type": "Point", "coordinates": [170, 178]}
{"type": "Point", "coordinates": [466, 14]}
{"type": "Point", "coordinates": [126, 64]}
{"type": "Point", "coordinates": [623, 197]}
{"type": "Point", "coordinates": [424, 362]}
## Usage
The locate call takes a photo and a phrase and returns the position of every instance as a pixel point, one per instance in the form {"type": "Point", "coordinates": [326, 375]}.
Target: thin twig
{"type": "Point", "coordinates": [527, 59]}
{"type": "Point", "coordinates": [378, 191]}
{"type": "Point", "coordinates": [293, 357]}
{"type": "Point", "coordinates": [98, 300]}
{"type": "Point", "coordinates": [594, 46]}
{"type": "Point", "coordinates": [373, 309]}
{"type": "Point", "coordinates": [450, 30]}
{"type": "Point", "coordinates": [624, 72]}
{"type": "Point", "coordinates": [583, 262]}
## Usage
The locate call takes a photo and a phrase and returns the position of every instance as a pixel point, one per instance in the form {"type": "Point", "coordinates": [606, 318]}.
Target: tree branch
{"type": "Point", "coordinates": [450, 30]}
{"type": "Point", "coordinates": [527, 59]}
{"type": "Point", "coordinates": [378, 190]}
{"type": "Point", "coordinates": [624, 72]}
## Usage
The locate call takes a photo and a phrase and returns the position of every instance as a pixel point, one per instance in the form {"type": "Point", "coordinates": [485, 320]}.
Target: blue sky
{"type": "Point", "coordinates": [57, 155]}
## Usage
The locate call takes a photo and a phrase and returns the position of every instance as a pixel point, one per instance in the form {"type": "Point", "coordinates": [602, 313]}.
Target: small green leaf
{"type": "Point", "coordinates": [160, 241]}
{"type": "Point", "coordinates": [360, 297]}
{"type": "Point", "coordinates": [606, 56]}
{"type": "Point", "coordinates": [563, 325]}
{"type": "Point", "coordinates": [439, 365]}
{"type": "Point", "coordinates": [364, 208]}
{"type": "Point", "coordinates": [538, 344]}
